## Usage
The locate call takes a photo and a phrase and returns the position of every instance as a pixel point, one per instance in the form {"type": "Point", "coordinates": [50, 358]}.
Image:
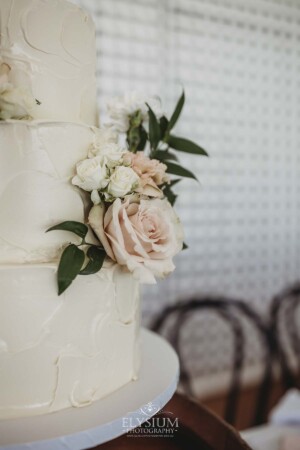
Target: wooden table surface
{"type": "Point", "coordinates": [197, 428]}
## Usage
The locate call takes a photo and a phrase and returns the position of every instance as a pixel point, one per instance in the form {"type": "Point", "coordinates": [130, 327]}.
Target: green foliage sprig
{"type": "Point", "coordinates": [87, 258]}
{"type": "Point", "coordinates": [163, 143]}
{"type": "Point", "coordinates": [75, 261]}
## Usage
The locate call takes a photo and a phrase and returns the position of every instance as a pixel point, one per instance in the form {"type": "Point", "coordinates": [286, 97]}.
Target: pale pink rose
{"type": "Point", "coordinates": [144, 236]}
{"type": "Point", "coordinates": [152, 173]}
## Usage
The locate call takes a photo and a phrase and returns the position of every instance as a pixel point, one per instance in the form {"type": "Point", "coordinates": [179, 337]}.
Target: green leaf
{"type": "Point", "coordinates": [170, 195]}
{"type": "Point", "coordinates": [96, 257]}
{"type": "Point", "coordinates": [74, 227]}
{"type": "Point", "coordinates": [136, 119]}
{"type": "Point", "coordinates": [133, 139]}
{"type": "Point", "coordinates": [163, 123]}
{"type": "Point", "coordinates": [175, 169]}
{"type": "Point", "coordinates": [69, 267]}
{"type": "Point", "coordinates": [168, 192]}
{"type": "Point", "coordinates": [185, 145]}
{"type": "Point", "coordinates": [173, 182]}
{"type": "Point", "coordinates": [176, 113]}
{"type": "Point", "coordinates": [143, 138]}
{"type": "Point", "coordinates": [154, 129]}
{"type": "Point", "coordinates": [164, 155]}
{"type": "Point", "coordinates": [184, 246]}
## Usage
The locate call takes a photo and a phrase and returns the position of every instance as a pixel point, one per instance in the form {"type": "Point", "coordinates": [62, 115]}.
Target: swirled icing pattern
{"type": "Point", "coordinates": [50, 46]}
{"type": "Point", "coordinates": [69, 350]}
{"type": "Point", "coordinates": [35, 188]}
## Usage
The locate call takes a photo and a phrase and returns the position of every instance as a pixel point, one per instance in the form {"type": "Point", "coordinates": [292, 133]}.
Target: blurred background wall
{"type": "Point", "coordinates": [239, 63]}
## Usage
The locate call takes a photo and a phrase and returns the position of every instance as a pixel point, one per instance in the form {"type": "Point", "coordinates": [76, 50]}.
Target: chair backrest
{"type": "Point", "coordinates": [283, 314]}
{"type": "Point", "coordinates": [231, 311]}
{"type": "Point", "coordinates": [210, 432]}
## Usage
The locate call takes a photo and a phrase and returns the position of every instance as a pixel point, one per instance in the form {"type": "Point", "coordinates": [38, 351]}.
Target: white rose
{"type": "Point", "coordinates": [95, 197]}
{"type": "Point", "coordinates": [4, 72]}
{"type": "Point", "coordinates": [142, 235]}
{"type": "Point", "coordinates": [91, 175]}
{"type": "Point", "coordinates": [121, 108]}
{"type": "Point", "coordinates": [103, 137]}
{"type": "Point", "coordinates": [16, 103]}
{"type": "Point", "coordinates": [111, 154]}
{"type": "Point", "coordinates": [123, 181]}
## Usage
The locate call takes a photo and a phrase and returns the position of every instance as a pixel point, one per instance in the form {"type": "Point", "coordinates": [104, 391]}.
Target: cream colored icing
{"type": "Point", "coordinates": [58, 352]}
{"type": "Point", "coordinates": [67, 351]}
{"type": "Point", "coordinates": [50, 46]}
{"type": "Point", "coordinates": [37, 161]}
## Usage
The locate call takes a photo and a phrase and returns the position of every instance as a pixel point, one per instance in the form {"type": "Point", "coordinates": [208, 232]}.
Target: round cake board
{"type": "Point", "coordinates": [105, 419]}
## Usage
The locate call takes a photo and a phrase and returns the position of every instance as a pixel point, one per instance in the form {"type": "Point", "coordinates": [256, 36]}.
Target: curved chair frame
{"type": "Point", "coordinates": [227, 309]}
{"type": "Point", "coordinates": [292, 296]}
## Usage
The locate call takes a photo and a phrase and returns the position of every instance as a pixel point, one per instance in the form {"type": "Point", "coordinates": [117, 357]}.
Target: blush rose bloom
{"type": "Point", "coordinates": [152, 173]}
{"type": "Point", "coordinates": [144, 236]}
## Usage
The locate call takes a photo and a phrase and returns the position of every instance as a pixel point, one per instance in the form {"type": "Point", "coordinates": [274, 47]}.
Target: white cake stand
{"type": "Point", "coordinates": [105, 419]}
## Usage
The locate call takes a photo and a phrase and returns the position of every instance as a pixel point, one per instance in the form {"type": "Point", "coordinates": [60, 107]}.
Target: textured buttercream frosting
{"type": "Point", "coordinates": [58, 352]}
{"type": "Point", "coordinates": [55, 351]}
{"type": "Point", "coordinates": [50, 47]}
{"type": "Point", "coordinates": [37, 162]}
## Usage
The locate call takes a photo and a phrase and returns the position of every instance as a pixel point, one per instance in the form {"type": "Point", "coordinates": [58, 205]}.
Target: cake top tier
{"type": "Point", "coordinates": [50, 48]}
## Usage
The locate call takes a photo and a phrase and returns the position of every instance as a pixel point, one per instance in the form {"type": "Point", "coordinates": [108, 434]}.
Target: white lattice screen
{"type": "Point", "coordinates": [239, 62]}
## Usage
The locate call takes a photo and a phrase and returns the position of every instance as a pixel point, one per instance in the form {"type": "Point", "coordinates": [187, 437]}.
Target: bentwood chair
{"type": "Point", "coordinates": [285, 329]}
{"type": "Point", "coordinates": [232, 312]}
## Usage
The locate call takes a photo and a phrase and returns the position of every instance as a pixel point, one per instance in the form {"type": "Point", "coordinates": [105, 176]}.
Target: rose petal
{"type": "Point", "coordinates": [95, 219]}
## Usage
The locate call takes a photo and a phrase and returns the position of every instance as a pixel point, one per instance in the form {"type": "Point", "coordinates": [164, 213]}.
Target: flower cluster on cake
{"type": "Point", "coordinates": [112, 187]}
{"type": "Point", "coordinates": [129, 175]}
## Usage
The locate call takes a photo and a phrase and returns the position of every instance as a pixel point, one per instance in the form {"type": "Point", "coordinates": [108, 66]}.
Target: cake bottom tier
{"type": "Point", "coordinates": [67, 351]}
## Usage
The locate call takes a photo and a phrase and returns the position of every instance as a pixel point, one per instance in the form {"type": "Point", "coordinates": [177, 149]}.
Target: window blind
{"type": "Point", "coordinates": [238, 62]}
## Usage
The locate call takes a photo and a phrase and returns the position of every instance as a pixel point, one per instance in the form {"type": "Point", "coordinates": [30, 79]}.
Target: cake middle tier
{"type": "Point", "coordinates": [37, 162]}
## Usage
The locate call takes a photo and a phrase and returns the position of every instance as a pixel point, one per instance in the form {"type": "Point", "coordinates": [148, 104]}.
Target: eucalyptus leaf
{"type": "Point", "coordinates": [175, 169]}
{"type": "Point", "coordinates": [185, 145]}
{"type": "Point", "coordinates": [74, 227]}
{"type": "Point", "coordinates": [176, 113]}
{"type": "Point", "coordinates": [184, 246]}
{"type": "Point", "coordinates": [154, 129]}
{"type": "Point", "coordinates": [70, 264]}
{"type": "Point", "coordinates": [96, 257]}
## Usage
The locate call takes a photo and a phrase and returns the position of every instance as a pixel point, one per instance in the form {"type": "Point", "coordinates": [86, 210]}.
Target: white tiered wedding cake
{"type": "Point", "coordinates": [55, 352]}
{"type": "Point", "coordinates": [108, 190]}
